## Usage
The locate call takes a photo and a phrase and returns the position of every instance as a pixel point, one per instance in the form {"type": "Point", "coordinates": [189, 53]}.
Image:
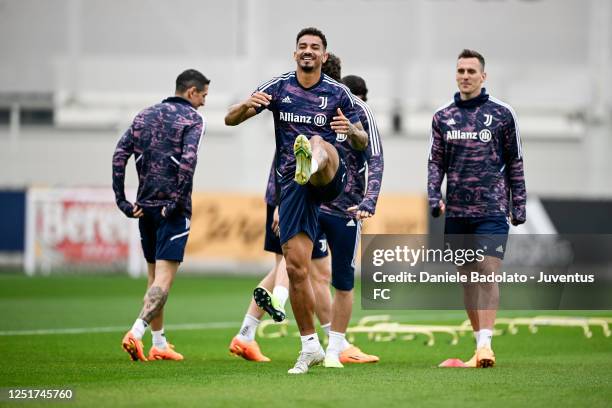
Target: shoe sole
{"type": "Point", "coordinates": [132, 350]}
{"type": "Point", "coordinates": [264, 301]}
{"type": "Point", "coordinates": [485, 363]}
{"type": "Point", "coordinates": [314, 363]}
{"type": "Point", "coordinates": [303, 155]}
{"type": "Point", "coordinates": [332, 365]}
{"type": "Point", "coordinates": [158, 357]}
{"type": "Point", "coordinates": [358, 361]}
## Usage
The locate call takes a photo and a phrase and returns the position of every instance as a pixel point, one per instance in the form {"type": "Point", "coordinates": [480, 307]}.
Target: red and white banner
{"type": "Point", "coordinates": [68, 228]}
{"type": "Point", "coordinates": [82, 229]}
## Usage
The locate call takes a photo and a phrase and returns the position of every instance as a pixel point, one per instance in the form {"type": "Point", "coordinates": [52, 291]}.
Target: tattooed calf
{"type": "Point", "coordinates": [155, 299]}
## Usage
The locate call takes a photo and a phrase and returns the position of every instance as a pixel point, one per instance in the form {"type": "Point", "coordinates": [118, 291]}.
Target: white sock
{"type": "Point", "coordinates": [334, 348]}
{"type": "Point", "coordinates": [476, 336]}
{"type": "Point", "coordinates": [314, 165]}
{"type": "Point", "coordinates": [139, 328]}
{"type": "Point", "coordinates": [282, 294]}
{"type": "Point", "coordinates": [310, 343]}
{"type": "Point", "coordinates": [484, 338]}
{"type": "Point", "coordinates": [345, 344]}
{"type": "Point", "coordinates": [326, 328]}
{"type": "Point", "coordinates": [248, 329]}
{"type": "Point", "coordinates": [159, 339]}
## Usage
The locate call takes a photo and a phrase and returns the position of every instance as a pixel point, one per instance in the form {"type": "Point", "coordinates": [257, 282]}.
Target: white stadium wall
{"type": "Point", "coordinates": [103, 60]}
{"type": "Point", "coordinates": [240, 162]}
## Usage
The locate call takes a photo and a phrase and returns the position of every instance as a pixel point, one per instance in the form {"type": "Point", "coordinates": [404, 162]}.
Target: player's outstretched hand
{"type": "Point", "coordinates": [341, 124]}
{"type": "Point", "coordinates": [360, 214]}
{"type": "Point", "coordinates": [258, 99]}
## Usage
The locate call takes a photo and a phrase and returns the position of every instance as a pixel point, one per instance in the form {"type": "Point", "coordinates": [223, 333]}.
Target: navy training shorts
{"type": "Point", "coordinates": [343, 236]}
{"type": "Point", "coordinates": [272, 242]}
{"type": "Point", "coordinates": [489, 234]}
{"type": "Point", "coordinates": [163, 238]}
{"type": "Point", "coordinates": [299, 205]}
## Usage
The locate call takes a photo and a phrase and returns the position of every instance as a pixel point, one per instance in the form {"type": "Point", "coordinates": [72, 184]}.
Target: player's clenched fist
{"type": "Point", "coordinates": [359, 214]}
{"type": "Point", "coordinates": [258, 99]}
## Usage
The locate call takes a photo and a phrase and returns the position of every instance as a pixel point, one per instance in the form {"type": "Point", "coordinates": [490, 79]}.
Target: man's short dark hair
{"type": "Point", "coordinates": [473, 54]}
{"type": "Point", "coordinates": [332, 67]}
{"type": "Point", "coordinates": [189, 78]}
{"type": "Point", "coordinates": [356, 85]}
{"type": "Point", "coordinates": [311, 31]}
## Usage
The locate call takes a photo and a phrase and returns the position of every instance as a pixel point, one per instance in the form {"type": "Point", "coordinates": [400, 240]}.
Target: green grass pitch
{"type": "Point", "coordinates": [555, 367]}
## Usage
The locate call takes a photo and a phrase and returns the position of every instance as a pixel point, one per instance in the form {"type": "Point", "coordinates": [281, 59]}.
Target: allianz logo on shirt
{"type": "Point", "coordinates": [319, 119]}
{"type": "Point", "coordinates": [484, 135]}
{"type": "Point", "coordinates": [458, 134]}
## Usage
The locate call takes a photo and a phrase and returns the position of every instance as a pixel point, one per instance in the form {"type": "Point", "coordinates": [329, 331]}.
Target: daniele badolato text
{"type": "Point", "coordinates": [410, 257]}
{"type": "Point", "coordinates": [477, 277]}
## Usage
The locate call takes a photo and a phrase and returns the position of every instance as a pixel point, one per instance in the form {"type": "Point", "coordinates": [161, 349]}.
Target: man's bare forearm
{"type": "Point", "coordinates": [247, 109]}
{"type": "Point", "coordinates": [237, 114]}
{"type": "Point", "coordinates": [358, 137]}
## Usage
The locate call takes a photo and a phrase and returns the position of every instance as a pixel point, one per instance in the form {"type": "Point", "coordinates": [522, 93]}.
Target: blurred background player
{"type": "Point", "coordinates": [475, 142]}
{"type": "Point", "coordinates": [164, 140]}
{"type": "Point", "coordinates": [340, 220]}
{"type": "Point", "coordinates": [310, 171]}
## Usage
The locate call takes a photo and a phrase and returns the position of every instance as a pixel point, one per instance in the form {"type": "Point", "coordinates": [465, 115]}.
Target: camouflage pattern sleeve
{"type": "Point", "coordinates": [435, 166]}
{"type": "Point", "coordinates": [189, 158]}
{"type": "Point", "coordinates": [272, 196]}
{"type": "Point", "coordinates": [123, 151]}
{"type": "Point", "coordinates": [376, 165]}
{"type": "Point", "coordinates": [513, 159]}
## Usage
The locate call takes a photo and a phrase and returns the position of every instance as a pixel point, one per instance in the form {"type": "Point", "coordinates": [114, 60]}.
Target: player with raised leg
{"type": "Point", "coordinates": [308, 110]}
{"type": "Point", "coordinates": [341, 219]}
{"type": "Point", "coordinates": [320, 274]}
{"type": "Point", "coordinates": [272, 292]}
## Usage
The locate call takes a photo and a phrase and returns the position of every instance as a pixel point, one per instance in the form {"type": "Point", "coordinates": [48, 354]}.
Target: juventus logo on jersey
{"type": "Point", "coordinates": [323, 243]}
{"type": "Point", "coordinates": [488, 120]}
{"type": "Point", "coordinates": [323, 104]}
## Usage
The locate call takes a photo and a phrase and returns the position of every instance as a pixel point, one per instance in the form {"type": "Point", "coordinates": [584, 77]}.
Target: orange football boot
{"type": "Point", "coordinates": [133, 347]}
{"type": "Point", "coordinates": [165, 354]}
{"type": "Point", "coordinates": [249, 351]}
{"type": "Point", "coordinates": [354, 355]}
